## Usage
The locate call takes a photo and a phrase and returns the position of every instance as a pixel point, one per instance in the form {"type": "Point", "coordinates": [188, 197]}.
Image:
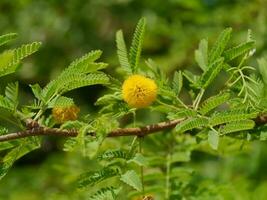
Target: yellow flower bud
{"type": "Point", "coordinates": [63, 114]}
{"type": "Point", "coordinates": [139, 91]}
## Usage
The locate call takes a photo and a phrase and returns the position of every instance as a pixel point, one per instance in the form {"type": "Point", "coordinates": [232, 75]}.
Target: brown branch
{"type": "Point", "coordinates": [140, 131]}
{"type": "Point", "coordinates": [35, 130]}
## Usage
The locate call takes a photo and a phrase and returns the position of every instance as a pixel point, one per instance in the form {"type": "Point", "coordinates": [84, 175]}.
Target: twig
{"type": "Point", "coordinates": [139, 131]}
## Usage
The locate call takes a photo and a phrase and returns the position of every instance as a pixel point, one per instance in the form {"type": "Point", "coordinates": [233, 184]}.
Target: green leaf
{"type": "Point", "coordinates": [192, 78]}
{"type": "Point", "coordinates": [113, 154]}
{"type": "Point", "coordinates": [24, 51]}
{"type": "Point", "coordinates": [201, 54]}
{"type": "Point", "coordinates": [136, 46]}
{"type": "Point", "coordinates": [80, 73]}
{"type": "Point", "coordinates": [24, 147]}
{"type": "Point", "coordinates": [61, 102]}
{"type": "Point", "coordinates": [213, 102]}
{"type": "Point", "coordinates": [5, 103]}
{"type": "Point", "coordinates": [139, 159]}
{"type": "Point", "coordinates": [239, 50]}
{"type": "Point", "coordinates": [177, 83]}
{"type": "Point", "coordinates": [182, 113]}
{"type": "Point", "coordinates": [122, 52]}
{"type": "Point", "coordinates": [11, 92]}
{"type": "Point", "coordinates": [10, 59]}
{"type": "Point", "coordinates": [213, 139]}
{"type": "Point", "coordinates": [92, 178]}
{"type": "Point", "coordinates": [219, 45]}
{"type": "Point", "coordinates": [73, 81]}
{"type": "Point", "coordinates": [132, 179]}
{"type": "Point", "coordinates": [230, 116]}
{"type": "Point", "coordinates": [190, 124]}
{"type": "Point", "coordinates": [211, 73]}
{"type": "Point", "coordinates": [105, 193]}
{"type": "Point", "coordinates": [37, 91]}
{"type": "Point", "coordinates": [5, 59]}
{"type": "Point", "coordinates": [85, 64]}
{"type": "Point", "coordinates": [109, 98]}
{"type": "Point", "coordinates": [237, 126]}
{"type": "Point", "coordinates": [6, 145]}
{"type": "Point", "coordinates": [7, 38]}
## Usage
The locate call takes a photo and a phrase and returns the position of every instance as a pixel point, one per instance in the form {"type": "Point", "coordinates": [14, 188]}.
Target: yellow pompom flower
{"type": "Point", "coordinates": [62, 114]}
{"type": "Point", "coordinates": [139, 91]}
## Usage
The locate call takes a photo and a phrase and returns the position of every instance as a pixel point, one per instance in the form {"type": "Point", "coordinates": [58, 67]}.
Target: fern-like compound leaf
{"type": "Point", "coordinates": [136, 46]}
{"type": "Point", "coordinates": [82, 81]}
{"type": "Point", "coordinates": [61, 101]}
{"type": "Point", "coordinates": [85, 64]}
{"type": "Point", "coordinates": [5, 103]}
{"type": "Point", "coordinates": [7, 38]}
{"type": "Point", "coordinates": [177, 83]}
{"type": "Point", "coordinates": [11, 92]}
{"type": "Point", "coordinates": [237, 126]}
{"type": "Point", "coordinates": [114, 154]}
{"type": "Point", "coordinates": [219, 45]}
{"type": "Point", "coordinates": [104, 194]}
{"type": "Point", "coordinates": [239, 50]}
{"type": "Point", "coordinates": [91, 178]}
{"type": "Point", "coordinates": [122, 52]}
{"type": "Point", "coordinates": [231, 116]}
{"type": "Point", "coordinates": [190, 124]}
{"type": "Point", "coordinates": [182, 113]}
{"type": "Point", "coordinates": [24, 51]}
{"type": "Point", "coordinates": [211, 73]}
{"type": "Point", "coordinates": [213, 102]}
{"type": "Point", "coordinates": [73, 81]}
{"type": "Point", "coordinates": [10, 59]}
{"type": "Point", "coordinates": [16, 153]}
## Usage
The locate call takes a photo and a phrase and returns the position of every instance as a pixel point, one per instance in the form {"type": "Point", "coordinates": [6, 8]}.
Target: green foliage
{"type": "Point", "coordinates": [212, 72]}
{"type": "Point", "coordinates": [82, 72]}
{"type": "Point", "coordinates": [10, 59]}
{"type": "Point", "coordinates": [201, 55]}
{"type": "Point", "coordinates": [111, 154]}
{"type": "Point", "coordinates": [213, 139]}
{"type": "Point", "coordinates": [237, 126]}
{"type": "Point", "coordinates": [190, 124]}
{"type": "Point", "coordinates": [108, 168]}
{"type": "Point", "coordinates": [219, 46]}
{"type": "Point", "coordinates": [132, 179]}
{"type": "Point", "coordinates": [239, 50]}
{"type": "Point", "coordinates": [91, 178]}
{"type": "Point", "coordinates": [122, 52]}
{"type": "Point", "coordinates": [104, 193]}
{"type": "Point", "coordinates": [17, 152]}
{"type": "Point", "coordinates": [136, 46]}
{"type": "Point", "coordinates": [213, 102]}
{"type": "Point", "coordinates": [7, 38]}
{"type": "Point", "coordinates": [231, 116]}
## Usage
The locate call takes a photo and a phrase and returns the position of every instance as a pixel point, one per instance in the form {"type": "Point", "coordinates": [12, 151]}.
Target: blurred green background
{"type": "Point", "coordinates": [70, 28]}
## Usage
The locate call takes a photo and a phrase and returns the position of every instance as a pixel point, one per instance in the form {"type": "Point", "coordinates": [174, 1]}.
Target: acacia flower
{"type": "Point", "coordinates": [139, 91]}
{"type": "Point", "coordinates": [62, 114]}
